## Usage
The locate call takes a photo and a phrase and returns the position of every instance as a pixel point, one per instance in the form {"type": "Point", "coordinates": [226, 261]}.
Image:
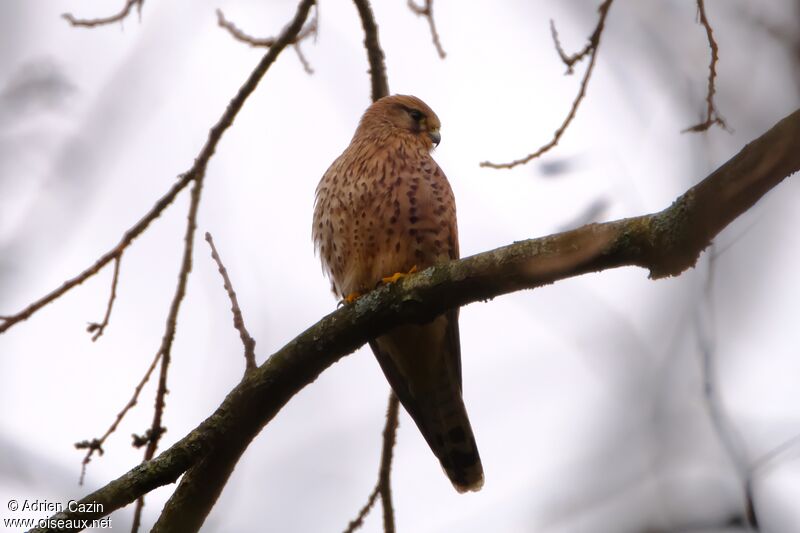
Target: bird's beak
{"type": "Point", "coordinates": [435, 136]}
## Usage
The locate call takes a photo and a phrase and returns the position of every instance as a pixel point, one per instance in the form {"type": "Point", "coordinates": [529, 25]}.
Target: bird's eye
{"type": "Point", "coordinates": [415, 114]}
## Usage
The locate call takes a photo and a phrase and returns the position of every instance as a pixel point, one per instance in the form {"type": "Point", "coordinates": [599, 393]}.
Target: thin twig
{"type": "Point", "coordinates": [98, 329]}
{"type": "Point", "coordinates": [199, 166]}
{"type": "Point", "coordinates": [375, 56]}
{"type": "Point", "coordinates": [383, 486]}
{"type": "Point", "coordinates": [726, 433]}
{"type": "Point", "coordinates": [358, 521]}
{"type": "Point", "coordinates": [712, 115]}
{"type": "Point", "coordinates": [591, 50]}
{"type": "Point", "coordinates": [380, 88]}
{"type": "Point", "coordinates": [156, 428]}
{"type": "Point", "coordinates": [426, 11]}
{"type": "Point", "coordinates": [119, 17]}
{"type": "Point", "coordinates": [384, 477]}
{"type": "Point", "coordinates": [569, 60]}
{"type": "Point", "coordinates": [202, 484]}
{"type": "Point", "coordinates": [238, 321]}
{"type": "Point", "coordinates": [310, 29]}
{"type": "Point", "coordinates": [303, 61]}
{"type": "Point", "coordinates": [782, 448]}
{"type": "Point", "coordinates": [96, 445]}
{"type": "Point", "coordinates": [127, 238]}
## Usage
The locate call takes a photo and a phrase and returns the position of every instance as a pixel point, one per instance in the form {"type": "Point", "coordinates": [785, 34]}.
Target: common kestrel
{"type": "Point", "coordinates": [385, 207]}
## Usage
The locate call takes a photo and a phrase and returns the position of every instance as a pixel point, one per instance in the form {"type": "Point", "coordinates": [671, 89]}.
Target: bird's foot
{"type": "Point", "coordinates": [350, 298]}
{"type": "Point", "coordinates": [397, 275]}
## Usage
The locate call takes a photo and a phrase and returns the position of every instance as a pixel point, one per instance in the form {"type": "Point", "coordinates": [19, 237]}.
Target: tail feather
{"type": "Point", "coordinates": [449, 434]}
{"type": "Point", "coordinates": [422, 363]}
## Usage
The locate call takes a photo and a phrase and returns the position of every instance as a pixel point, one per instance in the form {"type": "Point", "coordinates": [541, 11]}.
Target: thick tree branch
{"type": "Point", "coordinates": [666, 243]}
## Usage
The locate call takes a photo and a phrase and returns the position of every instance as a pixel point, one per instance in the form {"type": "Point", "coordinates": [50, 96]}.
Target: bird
{"type": "Point", "coordinates": [382, 210]}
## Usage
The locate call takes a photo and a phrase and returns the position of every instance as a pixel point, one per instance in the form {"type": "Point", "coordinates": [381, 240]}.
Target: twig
{"type": "Point", "coordinates": [96, 445]}
{"type": "Point", "coordinates": [199, 489]}
{"type": "Point", "coordinates": [127, 238]}
{"type": "Point", "coordinates": [377, 67]}
{"type": "Point", "coordinates": [358, 521]}
{"type": "Point", "coordinates": [665, 243]}
{"type": "Point", "coordinates": [156, 428]}
{"type": "Point", "coordinates": [591, 50]}
{"type": "Point", "coordinates": [198, 168]}
{"type": "Point", "coordinates": [119, 17]}
{"type": "Point", "coordinates": [426, 11]}
{"type": "Point", "coordinates": [731, 441]}
{"type": "Point", "coordinates": [303, 61]}
{"type": "Point", "coordinates": [383, 486]}
{"type": "Point", "coordinates": [311, 29]}
{"type": "Point", "coordinates": [384, 478]}
{"type": "Point", "coordinates": [98, 329]}
{"type": "Point", "coordinates": [238, 321]}
{"type": "Point", "coordinates": [712, 115]}
{"type": "Point", "coordinates": [380, 88]}
{"type": "Point", "coordinates": [770, 456]}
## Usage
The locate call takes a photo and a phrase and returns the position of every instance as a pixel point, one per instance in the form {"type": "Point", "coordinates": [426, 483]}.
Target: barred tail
{"type": "Point", "coordinates": [423, 366]}
{"type": "Point", "coordinates": [447, 429]}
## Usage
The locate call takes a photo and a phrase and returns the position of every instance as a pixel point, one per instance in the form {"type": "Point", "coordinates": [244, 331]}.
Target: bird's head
{"type": "Point", "coordinates": [403, 114]}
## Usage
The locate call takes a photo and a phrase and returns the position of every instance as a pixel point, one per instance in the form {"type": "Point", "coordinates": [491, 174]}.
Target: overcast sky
{"type": "Point", "coordinates": [586, 397]}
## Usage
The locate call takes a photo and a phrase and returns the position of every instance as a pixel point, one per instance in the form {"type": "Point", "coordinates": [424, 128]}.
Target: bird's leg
{"type": "Point", "coordinates": [350, 298]}
{"type": "Point", "coordinates": [397, 275]}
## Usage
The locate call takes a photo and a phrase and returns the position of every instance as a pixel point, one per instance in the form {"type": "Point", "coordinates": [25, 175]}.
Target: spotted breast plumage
{"type": "Point", "coordinates": [385, 207]}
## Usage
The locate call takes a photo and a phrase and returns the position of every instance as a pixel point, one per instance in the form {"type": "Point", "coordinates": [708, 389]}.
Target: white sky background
{"type": "Point", "coordinates": [585, 397]}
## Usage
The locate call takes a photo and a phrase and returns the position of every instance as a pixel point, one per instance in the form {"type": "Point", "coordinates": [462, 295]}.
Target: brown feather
{"type": "Point", "coordinates": [385, 206]}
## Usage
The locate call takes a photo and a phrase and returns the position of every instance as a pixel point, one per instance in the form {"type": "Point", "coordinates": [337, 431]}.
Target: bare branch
{"type": "Point", "coordinates": [238, 321]}
{"type": "Point", "coordinates": [384, 478]}
{"type": "Point", "coordinates": [569, 60]}
{"type": "Point", "coordinates": [119, 17]}
{"type": "Point", "coordinates": [310, 29]}
{"type": "Point", "coordinates": [197, 169]}
{"type": "Point", "coordinates": [127, 238]}
{"type": "Point", "coordinates": [426, 11]}
{"type": "Point", "coordinates": [380, 88]}
{"type": "Point", "coordinates": [96, 445]}
{"type": "Point", "coordinates": [726, 432]}
{"type": "Point", "coordinates": [94, 327]}
{"type": "Point", "coordinates": [303, 60]}
{"type": "Point", "coordinates": [666, 243]}
{"type": "Point", "coordinates": [591, 50]}
{"type": "Point", "coordinates": [358, 521]}
{"type": "Point", "coordinates": [771, 455]}
{"type": "Point", "coordinates": [712, 115]}
{"type": "Point", "coordinates": [377, 67]}
{"type": "Point", "coordinates": [202, 484]}
{"type": "Point", "coordinates": [383, 487]}
{"type": "Point", "coordinates": [156, 427]}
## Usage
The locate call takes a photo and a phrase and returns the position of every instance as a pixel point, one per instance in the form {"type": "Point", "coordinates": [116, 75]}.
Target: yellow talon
{"type": "Point", "coordinates": [397, 275]}
{"type": "Point", "coordinates": [350, 298]}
